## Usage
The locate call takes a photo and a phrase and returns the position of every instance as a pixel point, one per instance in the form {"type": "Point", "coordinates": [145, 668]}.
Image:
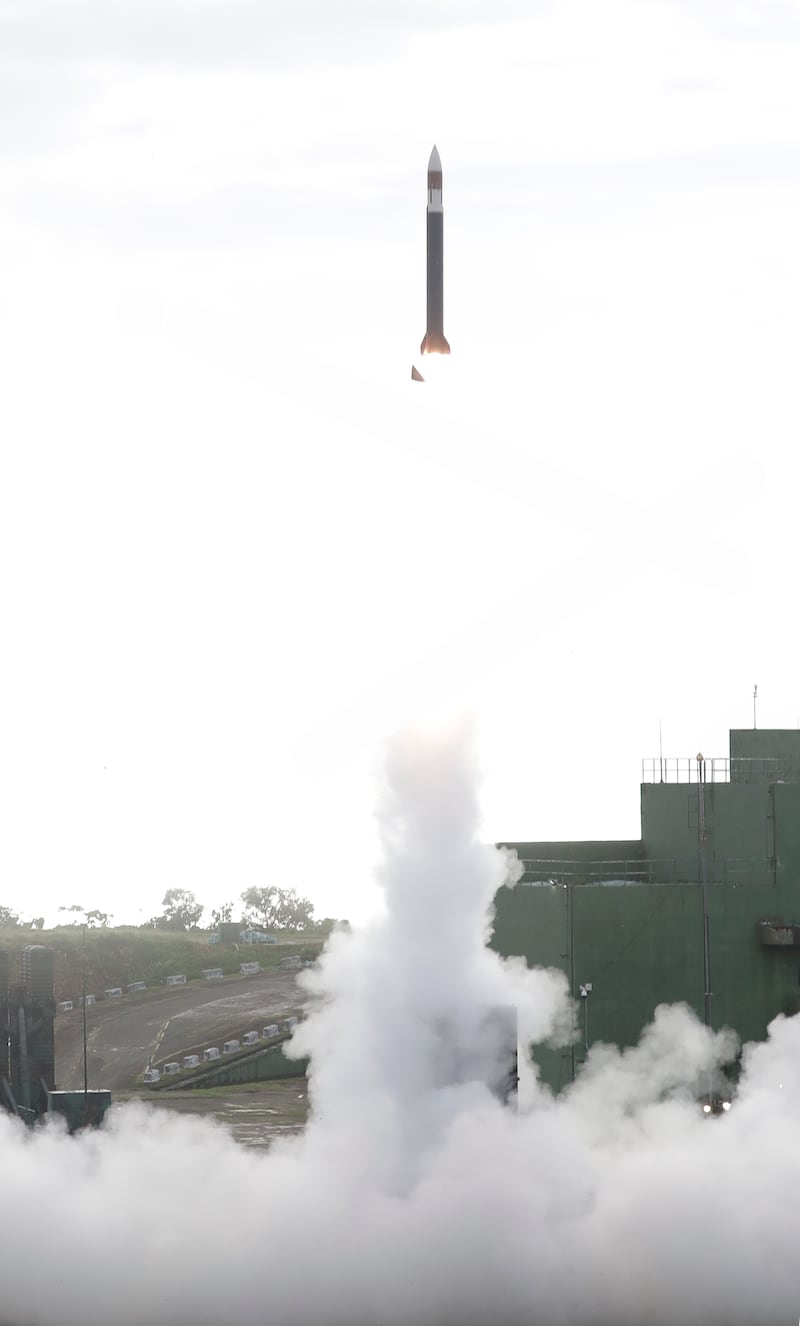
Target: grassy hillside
{"type": "Point", "coordinates": [116, 956]}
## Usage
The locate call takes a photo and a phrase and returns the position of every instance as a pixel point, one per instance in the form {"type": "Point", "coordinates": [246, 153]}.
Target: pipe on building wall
{"type": "Point", "coordinates": [24, 1072]}
{"type": "Point", "coordinates": [703, 854]}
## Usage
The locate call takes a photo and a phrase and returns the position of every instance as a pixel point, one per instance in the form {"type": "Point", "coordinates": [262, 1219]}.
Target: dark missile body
{"type": "Point", "coordinates": [434, 341]}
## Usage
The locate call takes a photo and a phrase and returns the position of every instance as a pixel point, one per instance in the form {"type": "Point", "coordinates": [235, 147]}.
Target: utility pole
{"type": "Point", "coordinates": [571, 943]}
{"type": "Point", "coordinates": [85, 1056]}
{"type": "Point", "coordinates": [703, 854]}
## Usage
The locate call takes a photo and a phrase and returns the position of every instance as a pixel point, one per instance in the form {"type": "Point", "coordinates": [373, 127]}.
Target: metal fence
{"type": "Point", "coordinates": [664, 870]}
{"type": "Point", "coordinates": [720, 769]}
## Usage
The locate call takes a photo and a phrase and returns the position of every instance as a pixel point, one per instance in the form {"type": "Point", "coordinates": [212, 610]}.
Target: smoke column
{"type": "Point", "coordinates": [415, 1196]}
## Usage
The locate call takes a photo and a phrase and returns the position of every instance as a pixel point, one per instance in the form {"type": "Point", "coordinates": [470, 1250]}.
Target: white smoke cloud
{"type": "Point", "coordinates": [414, 1195]}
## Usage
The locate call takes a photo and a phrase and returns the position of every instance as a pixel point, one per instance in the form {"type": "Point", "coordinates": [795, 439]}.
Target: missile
{"type": "Point", "coordinates": [433, 342]}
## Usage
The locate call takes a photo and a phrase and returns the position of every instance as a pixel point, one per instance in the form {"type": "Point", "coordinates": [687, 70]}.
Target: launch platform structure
{"type": "Point", "coordinates": [27, 1046]}
{"type": "Point", "coordinates": [27, 1022]}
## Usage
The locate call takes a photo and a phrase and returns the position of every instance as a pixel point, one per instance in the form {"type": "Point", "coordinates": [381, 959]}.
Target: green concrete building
{"type": "Point", "coordinates": [704, 908]}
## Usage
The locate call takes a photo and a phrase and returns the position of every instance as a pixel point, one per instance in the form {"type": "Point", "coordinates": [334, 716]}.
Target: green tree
{"type": "Point", "coordinates": [182, 911]}
{"type": "Point", "coordinates": [259, 906]}
{"type": "Point", "coordinates": [223, 913]}
{"type": "Point", "coordinates": [330, 923]}
{"type": "Point", "coordinates": [292, 911]}
{"type": "Point", "coordinates": [96, 917]}
{"type": "Point", "coordinates": [90, 918]}
{"type": "Point", "coordinates": [75, 910]}
{"type": "Point", "coordinates": [277, 909]}
{"type": "Point", "coordinates": [7, 917]}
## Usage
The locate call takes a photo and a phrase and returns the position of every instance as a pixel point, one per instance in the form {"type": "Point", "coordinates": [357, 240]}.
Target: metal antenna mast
{"type": "Point", "coordinates": [755, 693]}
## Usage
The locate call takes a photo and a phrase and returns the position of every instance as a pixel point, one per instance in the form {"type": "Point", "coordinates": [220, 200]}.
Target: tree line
{"type": "Point", "coordinates": [80, 916]}
{"type": "Point", "coordinates": [268, 908]}
{"type": "Point", "coordinates": [8, 917]}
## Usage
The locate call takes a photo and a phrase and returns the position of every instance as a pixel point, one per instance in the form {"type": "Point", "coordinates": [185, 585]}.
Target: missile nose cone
{"type": "Point", "coordinates": [435, 162]}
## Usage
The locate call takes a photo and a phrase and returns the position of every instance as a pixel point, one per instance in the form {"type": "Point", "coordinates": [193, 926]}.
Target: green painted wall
{"type": "Point", "coordinates": [669, 821]}
{"type": "Point", "coordinates": [765, 743]}
{"type": "Point", "coordinates": [640, 944]}
{"type": "Point", "coordinates": [618, 849]}
{"type": "Point", "coordinates": [751, 984]}
{"type": "Point", "coordinates": [786, 809]}
{"type": "Point", "coordinates": [739, 822]}
{"type": "Point", "coordinates": [531, 921]}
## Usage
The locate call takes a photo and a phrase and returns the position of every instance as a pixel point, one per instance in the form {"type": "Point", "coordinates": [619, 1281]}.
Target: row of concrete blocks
{"type": "Point", "coordinates": [245, 969]}
{"type": "Point", "coordinates": [213, 1052]}
{"type": "Point", "coordinates": [212, 974]}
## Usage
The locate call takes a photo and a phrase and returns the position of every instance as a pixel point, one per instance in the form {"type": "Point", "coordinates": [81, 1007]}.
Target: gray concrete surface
{"type": "Point", "coordinates": [123, 1034]}
{"type": "Point", "coordinates": [254, 1115]}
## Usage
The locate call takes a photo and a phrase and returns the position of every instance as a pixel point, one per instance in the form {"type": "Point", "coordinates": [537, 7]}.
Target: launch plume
{"type": "Point", "coordinates": [415, 1195]}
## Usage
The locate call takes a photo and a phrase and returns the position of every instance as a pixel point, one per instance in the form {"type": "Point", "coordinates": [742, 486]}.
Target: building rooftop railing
{"type": "Point", "coordinates": [721, 769]}
{"type": "Point", "coordinates": [662, 870]}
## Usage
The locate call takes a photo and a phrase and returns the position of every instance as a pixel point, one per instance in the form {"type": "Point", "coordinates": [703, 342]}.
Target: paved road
{"type": "Point", "coordinates": [123, 1034]}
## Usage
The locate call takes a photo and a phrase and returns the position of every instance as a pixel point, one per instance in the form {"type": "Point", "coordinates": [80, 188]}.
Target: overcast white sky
{"type": "Point", "coordinates": [239, 546]}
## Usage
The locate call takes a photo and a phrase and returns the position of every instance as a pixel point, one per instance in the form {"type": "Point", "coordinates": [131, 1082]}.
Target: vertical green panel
{"type": "Point", "coordinates": [786, 797]}
{"type": "Point", "coordinates": [738, 822]}
{"type": "Point", "coordinates": [531, 921]}
{"type": "Point", "coordinates": [669, 821]}
{"type": "Point", "coordinates": [765, 743]}
{"type": "Point", "coordinates": [750, 983]}
{"type": "Point", "coordinates": [639, 946]}
{"type": "Point", "coordinates": [738, 817]}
